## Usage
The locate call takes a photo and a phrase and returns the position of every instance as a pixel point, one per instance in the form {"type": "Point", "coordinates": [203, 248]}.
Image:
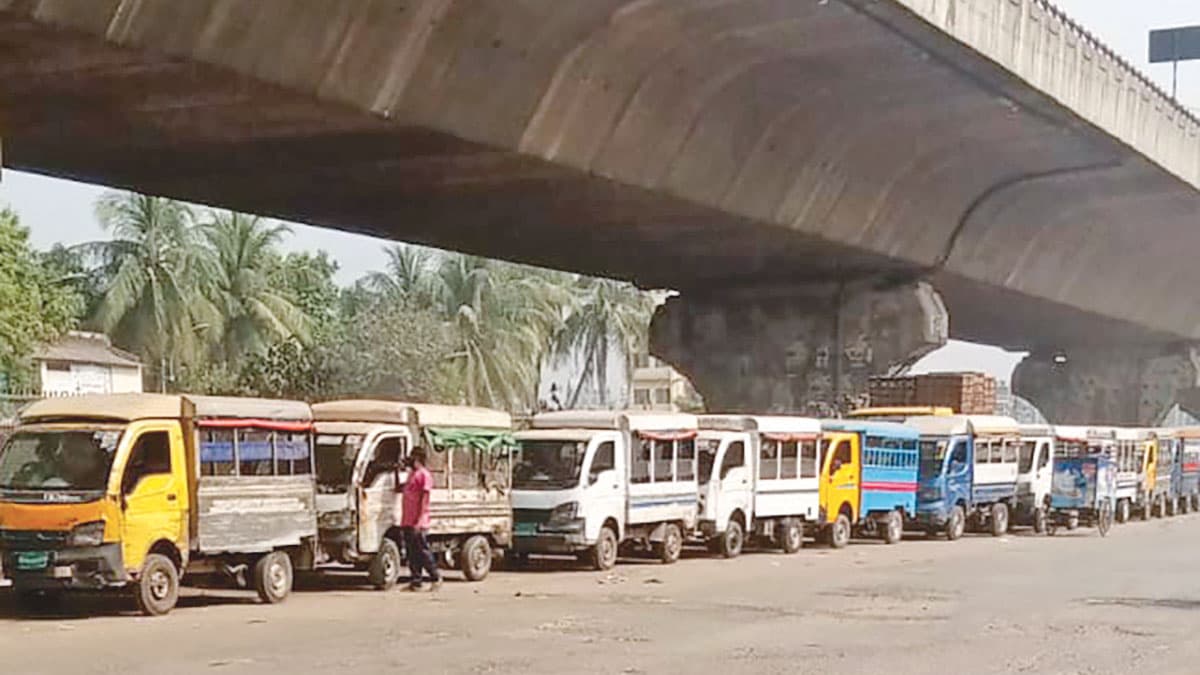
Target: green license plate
{"type": "Point", "coordinates": [525, 529]}
{"type": "Point", "coordinates": [33, 560]}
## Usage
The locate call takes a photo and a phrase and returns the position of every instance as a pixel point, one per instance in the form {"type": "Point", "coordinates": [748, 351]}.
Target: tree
{"type": "Point", "coordinates": [410, 271]}
{"type": "Point", "coordinates": [503, 317]}
{"type": "Point", "coordinates": [34, 307]}
{"type": "Point", "coordinates": [254, 313]}
{"type": "Point", "coordinates": [70, 267]}
{"type": "Point", "coordinates": [607, 314]}
{"type": "Point", "coordinates": [152, 303]}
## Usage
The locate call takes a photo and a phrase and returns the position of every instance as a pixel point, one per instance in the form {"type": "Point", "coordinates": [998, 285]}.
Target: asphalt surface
{"type": "Point", "coordinates": [1073, 603]}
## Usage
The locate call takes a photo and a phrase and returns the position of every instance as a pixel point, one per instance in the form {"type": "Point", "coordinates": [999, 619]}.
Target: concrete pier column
{"type": "Point", "coordinates": [800, 349]}
{"type": "Point", "coordinates": [1117, 385]}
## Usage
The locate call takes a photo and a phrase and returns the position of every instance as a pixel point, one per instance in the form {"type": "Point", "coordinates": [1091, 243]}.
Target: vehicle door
{"type": "Point", "coordinates": [1150, 466]}
{"type": "Point", "coordinates": [154, 491]}
{"type": "Point", "coordinates": [604, 486]}
{"type": "Point", "coordinates": [841, 475]}
{"type": "Point", "coordinates": [959, 473]}
{"type": "Point", "coordinates": [1043, 472]}
{"type": "Point", "coordinates": [734, 479]}
{"type": "Point", "coordinates": [376, 478]}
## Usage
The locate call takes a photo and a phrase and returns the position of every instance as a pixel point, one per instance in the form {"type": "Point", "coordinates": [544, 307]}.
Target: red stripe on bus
{"type": "Point", "coordinates": [271, 425]}
{"type": "Point", "coordinates": [890, 487]}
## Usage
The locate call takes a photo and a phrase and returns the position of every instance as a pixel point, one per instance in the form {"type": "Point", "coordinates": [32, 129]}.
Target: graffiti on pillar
{"type": "Point", "coordinates": [858, 351]}
{"type": "Point", "coordinates": [821, 360]}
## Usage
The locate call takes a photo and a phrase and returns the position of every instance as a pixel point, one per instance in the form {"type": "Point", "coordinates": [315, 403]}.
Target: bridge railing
{"type": "Point", "coordinates": [1038, 42]}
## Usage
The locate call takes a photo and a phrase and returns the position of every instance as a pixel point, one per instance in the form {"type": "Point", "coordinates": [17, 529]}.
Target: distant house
{"type": "Point", "coordinates": [658, 386]}
{"type": "Point", "coordinates": [87, 363]}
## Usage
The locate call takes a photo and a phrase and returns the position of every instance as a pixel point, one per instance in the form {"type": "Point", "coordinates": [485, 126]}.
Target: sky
{"type": "Point", "coordinates": [62, 211]}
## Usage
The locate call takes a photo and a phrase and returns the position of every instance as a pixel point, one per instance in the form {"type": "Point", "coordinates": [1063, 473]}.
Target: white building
{"type": "Point", "coordinates": [87, 363]}
{"type": "Point", "coordinates": [658, 386]}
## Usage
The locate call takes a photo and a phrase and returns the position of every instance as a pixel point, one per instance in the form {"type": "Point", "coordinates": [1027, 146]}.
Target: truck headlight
{"type": "Point", "coordinates": [930, 494]}
{"type": "Point", "coordinates": [564, 512]}
{"type": "Point", "coordinates": [87, 534]}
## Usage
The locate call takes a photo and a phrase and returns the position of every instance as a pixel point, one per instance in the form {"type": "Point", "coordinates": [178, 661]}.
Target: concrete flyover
{"type": "Point", "coordinates": [808, 171]}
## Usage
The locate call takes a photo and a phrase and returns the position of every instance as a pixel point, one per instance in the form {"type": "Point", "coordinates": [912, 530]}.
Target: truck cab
{"type": "Point", "coordinates": [361, 450]}
{"type": "Point", "coordinates": [1137, 467]}
{"type": "Point", "coordinates": [136, 491]}
{"type": "Point", "coordinates": [1035, 475]}
{"type": "Point", "coordinates": [1189, 468]}
{"type": "Point", "coordinates": [945, 496]}
{"type": "Point", "coordinates": [586, 482]}
{"type": "Point", "coordinates": [868, 480]}
{"type": "Point", "coordinates": [1168, 457]}
{"type": "Point", "coordinates": [758, 476]}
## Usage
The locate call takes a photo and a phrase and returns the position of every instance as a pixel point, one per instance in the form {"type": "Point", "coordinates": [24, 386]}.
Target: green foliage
{"type": "Point", "coordinates": [606, 314]}
{"type": "Point", "coordinates": [34, 307]}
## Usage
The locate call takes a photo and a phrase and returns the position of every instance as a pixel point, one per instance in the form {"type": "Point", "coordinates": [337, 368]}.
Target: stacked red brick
{"type": "Point", "coordinates": [967, 393]}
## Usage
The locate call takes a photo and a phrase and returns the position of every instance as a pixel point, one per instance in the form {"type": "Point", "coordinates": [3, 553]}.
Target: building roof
{"type": "Point", "coordinates": [93, 348]}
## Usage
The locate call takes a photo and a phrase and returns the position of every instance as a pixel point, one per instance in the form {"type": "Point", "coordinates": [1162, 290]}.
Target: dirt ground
{"type": "Point", "coordinates": [1074, 603]}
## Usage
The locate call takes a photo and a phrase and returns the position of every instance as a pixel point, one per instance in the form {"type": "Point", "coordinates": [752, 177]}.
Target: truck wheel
{"type": "Point", "coordinates": [1039, 520]}
{"type": "Point", "coordinates": [956, 524]}
{"type": "Point", "coordinates": [1184, 505]}
{"type": "Point", "coordinates": [999, 519]}
{"type": "Point", "coordinates": [1073, 521]}
{"type": "Point", "coordinates": [1123, 511]}
{"type": "Point", "coordinates": [893, 528]}
{"type": "Point", "coordinates": [671, 547]}
{"type": "Point", "coordinates": [604, 553]}
{"type": "Point", "coordinates": [384, 569]}
{"type": "Point", "coordinates": [273, 577]}
{"type": "Point", "coordinates": [157, 587]}
{"type": "Point", "coordinates": [839, 532]}
{"type": "Point", "coordinates": [475, 558]}
{"type": "Point", "coordinates": [730, 543]}
{"type": "Point", "coordinates": [791, 536]}
{"type": "Point", "coordinates": [1173, 506]}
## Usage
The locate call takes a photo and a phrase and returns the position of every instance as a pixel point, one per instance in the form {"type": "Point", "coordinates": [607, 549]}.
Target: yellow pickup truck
{"type": "Point", "coordinates": [133, 491]}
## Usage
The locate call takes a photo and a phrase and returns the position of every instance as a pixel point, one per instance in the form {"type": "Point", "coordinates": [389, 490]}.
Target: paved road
{"type": "Point", "coordinates": [1071, 604]}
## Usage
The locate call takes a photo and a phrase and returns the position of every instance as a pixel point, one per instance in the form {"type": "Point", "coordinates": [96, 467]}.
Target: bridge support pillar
{"type": "Point", "coordinates": [1118, 385]}
{"type": "Point", "coordinates": [802, 349]}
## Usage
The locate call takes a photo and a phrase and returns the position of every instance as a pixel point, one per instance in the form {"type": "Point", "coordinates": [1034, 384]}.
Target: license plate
{"type": "Point", "coordinates": [525, 529]}
{"type": "Point", "coordinates": [33, 560]}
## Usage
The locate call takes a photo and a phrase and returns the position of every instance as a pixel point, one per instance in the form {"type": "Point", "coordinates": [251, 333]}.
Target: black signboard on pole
{"type": "Point", "coordinates": [1172, 45]}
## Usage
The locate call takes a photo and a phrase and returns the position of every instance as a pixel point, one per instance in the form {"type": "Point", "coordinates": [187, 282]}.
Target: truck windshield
{"type": "Point", "coordinates": [65, 459]}
{"type": "Point", "coordinates": [548, 465]}
{"type": "Point", "coordinates": [335, 456]}
{"type": "Point", "coordinates": [933, 456]}
{"type": "Point", "coordinates": [1027, 451]}
{"type": "Point", "coordinates": [706, 449]}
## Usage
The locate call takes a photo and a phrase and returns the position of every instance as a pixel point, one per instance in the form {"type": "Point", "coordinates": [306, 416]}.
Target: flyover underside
{"type": "Point", "coordinates": [845, 170]}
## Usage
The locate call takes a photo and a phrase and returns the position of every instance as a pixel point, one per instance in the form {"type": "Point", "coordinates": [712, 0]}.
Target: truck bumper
{"type": "Point", "coordinates": [89, 568]}
{"type": "Point", "coordinates": [562, 542]}
{"type": "Point", "coordinates": [932, 514]}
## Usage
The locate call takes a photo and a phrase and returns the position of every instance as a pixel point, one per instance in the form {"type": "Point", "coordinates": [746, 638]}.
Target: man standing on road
{"type": "Point", "coordinates": [414, 522]}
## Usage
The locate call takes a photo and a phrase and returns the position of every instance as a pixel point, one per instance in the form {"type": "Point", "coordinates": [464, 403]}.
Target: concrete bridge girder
{"type": "Point", "coordinates": [697, 144]}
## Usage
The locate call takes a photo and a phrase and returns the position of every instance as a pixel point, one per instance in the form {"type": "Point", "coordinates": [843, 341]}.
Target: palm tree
{"type": "Point", "coordinates": [606, 314]}
{"type": "Point", "coordinates": [151, 264]}
{"type": "Point", "coordinates": [254, 313]}
{"type": "Point", "coordinates": [409, 271]}
{"type": "Point", "coordinates": [504, 317]}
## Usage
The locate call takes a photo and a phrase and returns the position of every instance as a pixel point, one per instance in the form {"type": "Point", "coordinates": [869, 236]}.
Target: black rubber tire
{"type": "Point", "coordinates": [384, 570]}
{"type": "Point", "coordinates": [1185, 505]}
{"type": "Point", "coordinates": [475, 558]}
{"type": "Point", "coordinates": [156, 591]}
{"type": "Point", "coordinates": [791, 535]}
{"type": "Point", "coordinates": [731, 541]}
{"type": "Point", "coordinates": [999, 519]}
{"type": "Point", "coordinates": [1105, 519]}
{"type": "Point", "coordinates": [956, 524]}
{"type": "Point", "coordinates": [1039, 520]}
{"type": "Point", "coordinates": [671, 547]}
{"type": "Point", "coordinates": [1122, 515]}
{"type": "Point", "coordinates": [1173, 506]}
{"type": "Point", "coordinates": [1072, 522]}
{"type": "Point", "coordinates": [839, 532]}
{"type": "Point", "coordinates": [273, 577]}
{"type": "Point", "coordinates": [893, 528]}
{"type": "Point", "coordinates": [604, 553]}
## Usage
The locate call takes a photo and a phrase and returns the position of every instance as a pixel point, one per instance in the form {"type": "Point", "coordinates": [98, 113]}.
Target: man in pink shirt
{"type": "Point", "coordinates": [414, 521]}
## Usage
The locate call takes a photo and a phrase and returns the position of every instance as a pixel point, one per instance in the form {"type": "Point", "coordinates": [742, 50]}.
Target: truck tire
{"type": "Point", "coordinates": [1173, 506]}
{"type": "Point", "coordinates": [671, 547]}
{"type": "Point", "coordinates": [157, 588]}
{"type": "Point", "coordinates": [273, 576]}
{"type": "Point", "coordinates": [475, 558]}
{"type": "Point", "coordinates": [956, 524]}
{"type": "Point", "coordinates": [604, 553]}
{"type": "Point", "coordinates": [999, 519]}
{"type": "Point", "coordinates": [791, 535]}
{"type": "Point", "coordinates": [384, 570]}
{"type": "Point", "coordinates": [839, 532]}
{"type": "Point", "coordinates": [1123, 511]}
{"type": "Point", "coordinates": [730, 542]}
{"type": "Point", "coordinates": [893, 528]}
{"type": "Point", "coordinates": [1039, 520]}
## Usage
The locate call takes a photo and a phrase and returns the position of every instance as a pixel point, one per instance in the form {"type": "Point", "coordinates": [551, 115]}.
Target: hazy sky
{"type": "Point", "coordinates": [61, 211]}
